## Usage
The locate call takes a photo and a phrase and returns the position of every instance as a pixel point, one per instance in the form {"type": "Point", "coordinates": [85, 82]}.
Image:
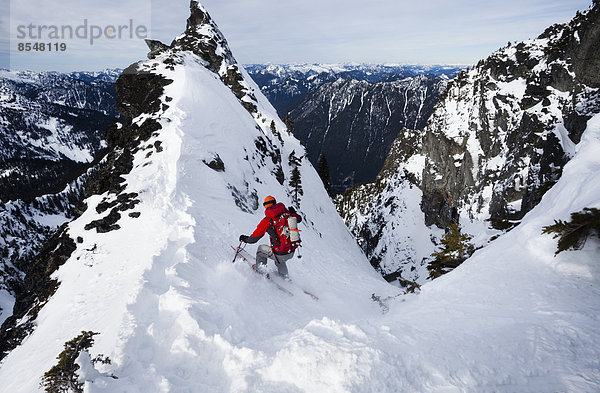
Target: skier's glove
{"type": "Point", "coordinates": [292, 210]}
{"type": "Point", "coordinates": [244, 238]}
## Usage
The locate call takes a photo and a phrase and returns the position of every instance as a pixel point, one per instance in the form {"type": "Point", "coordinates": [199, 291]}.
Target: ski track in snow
{"type": "Point", "coordinates": [175, 315]}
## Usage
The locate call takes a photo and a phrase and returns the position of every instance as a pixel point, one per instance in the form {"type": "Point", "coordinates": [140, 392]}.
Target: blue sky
{"type": "Point", "coordinates": [291, 31]}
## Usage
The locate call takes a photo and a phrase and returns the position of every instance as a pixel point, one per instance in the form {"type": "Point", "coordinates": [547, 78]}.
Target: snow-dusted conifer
{"type": "Point", "coordinates": [573, 234]}
{"type": "Point", "coordinates": [323, 171]}
{"type": "Point", "coordinates": [456, 249]}
{"type": "Point", "coordinates": [275, 131]}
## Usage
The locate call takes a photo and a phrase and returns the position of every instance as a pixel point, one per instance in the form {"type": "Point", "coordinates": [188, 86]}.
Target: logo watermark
{"type": "Point", "coordinates": [77, 35]}
{"type": "Point", "coordinates": [84, 31]}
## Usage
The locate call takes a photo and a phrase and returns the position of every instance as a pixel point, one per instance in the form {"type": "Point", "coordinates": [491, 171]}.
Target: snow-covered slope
{"type": "Point", "coordinates": [174, 236]}
{"type": "Point", "coordinates": [166, 278]}
{"type": "Point", "coordinates": [175, 315]}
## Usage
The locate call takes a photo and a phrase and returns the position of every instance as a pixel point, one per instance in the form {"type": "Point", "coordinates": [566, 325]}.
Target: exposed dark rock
{"type": "Point", "coordinates": [438, 208]}
{"type": "Point", "coordinates": [123, 202]}
{"type": "Point", "coordinates": [38, 288]}
{"type": "Point", "coordinates": [246, 200]}
{"type": "Point", "coordinates": [576, 124]}
{"type": "Point", "coordinates": [584, 49]}
{"type": "Point", "coordinates": [156, 48]}
{"type": "Point", "coordinates": [106, 224]}
{"type": "Point", "coordinates": [216, 164]}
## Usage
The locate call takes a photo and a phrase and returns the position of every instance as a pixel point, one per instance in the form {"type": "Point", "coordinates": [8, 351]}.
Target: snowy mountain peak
{"type": "Point", "coordinates": [510, 124]}
{"type": "Point", "coordinates": [203, 38]}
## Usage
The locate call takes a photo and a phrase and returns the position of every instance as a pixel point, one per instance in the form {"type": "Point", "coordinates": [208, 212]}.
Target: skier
{"type": "Point", "coordinates": [276, 225]}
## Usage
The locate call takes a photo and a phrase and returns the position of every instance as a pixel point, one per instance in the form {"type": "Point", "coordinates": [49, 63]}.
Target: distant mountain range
{"type": "Point", "coordinates": [285, 84]}
{"type": "Point", "coordinates": [352, 113]}
{"type": "Point", "coordinates": [52, 125]}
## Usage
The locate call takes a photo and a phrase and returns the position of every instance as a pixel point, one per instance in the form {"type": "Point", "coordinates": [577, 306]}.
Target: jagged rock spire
{"type": "Point", "coordinates": [203, 38]}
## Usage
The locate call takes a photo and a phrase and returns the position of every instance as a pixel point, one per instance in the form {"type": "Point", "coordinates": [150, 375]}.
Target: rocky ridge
{"type": "Point", "coordinates": [142, 102]}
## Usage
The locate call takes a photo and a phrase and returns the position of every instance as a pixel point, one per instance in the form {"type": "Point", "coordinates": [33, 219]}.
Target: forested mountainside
{"type": "Point", "coordinates": [351, 113]}
{"type": "Point", "coordinates": [353, 123]}
{"type": "Point", "coordinates": [52, 126]}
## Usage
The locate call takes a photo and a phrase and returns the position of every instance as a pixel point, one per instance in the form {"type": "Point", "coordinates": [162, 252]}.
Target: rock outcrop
{"type": "Point", "coordinates": [495, 143]}
{"type": "Point", "coordinates": [504, 130]}
{"type": "Point", "coordinates": [203, 38]}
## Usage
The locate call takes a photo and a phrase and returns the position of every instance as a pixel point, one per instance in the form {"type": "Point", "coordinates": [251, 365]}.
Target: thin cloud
{"type": "Point", "coordinates": [382, 30]}
{"type": "Point", "coordinates": [332, 31]}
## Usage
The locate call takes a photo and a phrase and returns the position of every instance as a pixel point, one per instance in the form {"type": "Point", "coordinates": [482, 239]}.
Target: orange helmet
{"type": "Point", "coordinates": [269, 200]}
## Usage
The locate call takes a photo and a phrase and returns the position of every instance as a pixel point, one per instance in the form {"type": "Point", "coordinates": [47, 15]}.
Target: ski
{"type": "Point", "coordinates": [246, 257]}
{"type": "Point", "coordinates": [315, 297]}
{"type": "Point", "coordinates": [281, 287]}
{"type": "Point", "coordinates": [310, 294]}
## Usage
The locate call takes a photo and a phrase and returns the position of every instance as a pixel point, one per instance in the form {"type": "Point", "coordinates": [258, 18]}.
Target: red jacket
{"type": "Point", "coordinates": [265, 226]}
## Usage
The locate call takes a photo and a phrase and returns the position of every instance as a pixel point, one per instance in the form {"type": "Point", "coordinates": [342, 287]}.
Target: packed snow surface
{"type": "Point", "coordinates": [176, 315]}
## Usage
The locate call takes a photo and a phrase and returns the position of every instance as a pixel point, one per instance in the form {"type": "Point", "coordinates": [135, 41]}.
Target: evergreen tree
{"type": "Point", "coordinates": [63, 376]}
{"type": "Point", "coordinates": [293, 160]}
{"type": "Point", "coordinates": [323, 171]}
{"type": "Point", "coordinates": [289, 124]}
{"type": "Point", "coordinates": [573, 234]}
{"type": "Point", "coordinates": [275, 131]}
{"type": "Point", "coordinates": [296, 184]}
{"type": "Point", "coordinates": [456, 250]}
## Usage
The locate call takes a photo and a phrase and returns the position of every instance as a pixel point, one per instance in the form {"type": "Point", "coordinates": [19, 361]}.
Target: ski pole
{"type": "Point", "coordinates": [237, 250]}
